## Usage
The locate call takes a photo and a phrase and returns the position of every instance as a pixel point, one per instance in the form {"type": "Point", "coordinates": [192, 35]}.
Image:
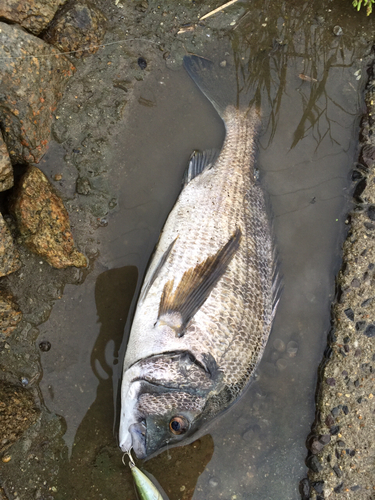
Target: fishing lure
{"type": "Point", "coordinates": [145, 487]}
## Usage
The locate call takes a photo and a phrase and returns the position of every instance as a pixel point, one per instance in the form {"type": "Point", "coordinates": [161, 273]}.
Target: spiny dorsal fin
{"type": "Point", "coordinates": [157, 269]}
{"type": "Point", "coordinates": [199, 161]}
{"type": "Point", "coordinates": [176, 309]}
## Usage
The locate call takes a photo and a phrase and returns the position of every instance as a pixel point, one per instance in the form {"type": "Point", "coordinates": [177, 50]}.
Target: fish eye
{"type": "Point", "coordinates": [178, 425]}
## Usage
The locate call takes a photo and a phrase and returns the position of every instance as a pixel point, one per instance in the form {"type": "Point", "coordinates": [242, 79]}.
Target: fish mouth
{"type": "Point", "coordinates": [138, 435]}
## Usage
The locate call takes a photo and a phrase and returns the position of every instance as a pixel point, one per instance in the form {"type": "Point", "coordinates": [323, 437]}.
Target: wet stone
{"type": "Point", "coordinates": [339, 488]}
{"type": "Point", "coordinates": [335, 429]}
{"type": "Point", "coordinates": [360, 325]}
{"type": "Point", "coordinates": [83, 186]}
{"type": "Point", "coordinates": [366, 302]}
{"type": "Point", "coordinates": [318, 486]}
{"type": "Point", "coordinates": [331, 381]}
{"type": "Point", "coordinates": [213, 482]}
{"type": "Point", "coordinates": [370, 331]}
{"type": "Point", "coordinates": [40, 80]}
{"type": "Point", "coordinates": [325, 439]}
{"type": "Point", "coordinates": [34, 15]}
{"type": "Point", "coordinates": [371, 212]}
{"type": "Point", "coordinates": [329, 421]}
{"type": "Point", "coordinates": [304, 489]}
{"type": "Point", "coordinates": [355, 283]}
{"type": "Point", "coordinates": [77, 27]}
{"type": "Point", "coordinates": [279, 345]}
{"type": "Point", "coordinates": [313, 463]}
{"type": "Point", "coordinates": [337, 30]}
{"type": "Point", "coordinates": [335, 411]}
{"type": "Point", "coordinates": [316, 447]}
{"type": "Point", "coordinates": [6, 169]}
{"type": "Point", "coordinates": [337, 470]}
{"type": "Point", "coordinates": [44, 222]}
{"type": "Point", "coordinates": [356, 487]}
{"type": "Point", "coordinates": [345, 409]}
{"type": "Point", "coordinates": [9, 256]}
{"type": "Point", "coordinates": [10, 315]}
{"type": "Point", "coordinates": [341, 444]}
{"type": "Point", "coordinates": [292, 348]}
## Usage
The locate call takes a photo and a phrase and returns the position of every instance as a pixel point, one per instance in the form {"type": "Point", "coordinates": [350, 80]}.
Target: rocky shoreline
{"type": "Point", "coordinates": [342, 442]}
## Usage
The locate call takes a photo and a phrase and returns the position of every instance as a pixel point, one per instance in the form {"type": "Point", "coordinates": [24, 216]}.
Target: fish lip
{"type": "Point", "coordinates": [138, 435]}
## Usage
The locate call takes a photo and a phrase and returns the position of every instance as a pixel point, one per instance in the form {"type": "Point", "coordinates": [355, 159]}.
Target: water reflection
{"type": "Point", "coordinates": [95, 466]}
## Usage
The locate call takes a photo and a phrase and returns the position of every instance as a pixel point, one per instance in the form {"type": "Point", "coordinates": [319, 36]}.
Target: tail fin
{"type": "Point", "coordinates": [215, 79]}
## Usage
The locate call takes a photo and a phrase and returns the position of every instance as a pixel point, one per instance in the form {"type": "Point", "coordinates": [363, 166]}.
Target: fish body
{"type": "Point", "coordinates": [208, 300]}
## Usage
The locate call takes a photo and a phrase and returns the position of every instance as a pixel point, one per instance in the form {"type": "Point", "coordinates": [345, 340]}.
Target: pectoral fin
{"type": "Point", "coordinates": [177, 308]}
{"type": "Point", "coordinates": [157, 269]}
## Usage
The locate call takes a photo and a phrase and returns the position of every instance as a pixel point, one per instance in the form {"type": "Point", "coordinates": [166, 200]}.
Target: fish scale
{"type": "Point", "coordinates": [215, 254]}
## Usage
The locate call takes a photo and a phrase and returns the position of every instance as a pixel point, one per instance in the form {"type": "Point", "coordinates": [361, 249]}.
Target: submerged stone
{"type": "Point", "coordinates": [10, 315]}
{"type": "Point", "coordinates": [370, 331]}
{"type": "Point", "coordinates": [9, 256]}
{"type": "Point", "coordinates": [44, 222]}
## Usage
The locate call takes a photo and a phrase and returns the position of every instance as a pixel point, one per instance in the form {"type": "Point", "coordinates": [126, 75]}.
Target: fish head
{"type": "Point", "coordinates": [164, 404]}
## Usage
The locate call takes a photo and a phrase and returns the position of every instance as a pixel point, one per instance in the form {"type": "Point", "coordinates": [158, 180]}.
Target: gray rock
{"type": "Point", "coordinates": [34, 15]}
{"type": "Point", "coordinates": [33, 76]}
{"type": "Point", "coordinates": [6, 170]}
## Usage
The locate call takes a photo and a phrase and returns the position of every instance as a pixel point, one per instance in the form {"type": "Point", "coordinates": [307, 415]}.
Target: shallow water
{"type": "Point", "coordinates": [307, 147]}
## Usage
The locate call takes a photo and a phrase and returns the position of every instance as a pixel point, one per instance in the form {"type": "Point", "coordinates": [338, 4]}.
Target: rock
{"type": "Point", "coordinates": [33, 76]}
{"type": "Point", "coordinates": [17, 413]}
{"type": "Point", "coordinates": [313, 463]}
{"type": "Point", "coordinates": [33, 15]}
{"type": "Point", "coordinates": [316, 447]}
{"type": "Point", "coordinates": [304, 489]}
{"type": "Point", "coordinates": [77, 26]}
{"type": "Point", "coordinates": [44, 222]}
{"type": "Point", "coordinates": [10, 315]}
{"type": "Point", "coordinates": [9, 256]}
{"type": "Point", "coordinates": [83, 186]}
{"type": "Point", "coordinates": [6, 170]}
{"type": "Point", "coordinates": [318, 486]}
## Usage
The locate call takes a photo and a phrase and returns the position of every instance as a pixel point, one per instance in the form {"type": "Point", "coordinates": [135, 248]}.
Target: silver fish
{"type": "Point", "coordinates": [209, 297]}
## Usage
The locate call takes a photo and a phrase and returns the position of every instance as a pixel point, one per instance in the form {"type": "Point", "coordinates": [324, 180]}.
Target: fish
{"type": "Point", "coordinates": [210, 294]}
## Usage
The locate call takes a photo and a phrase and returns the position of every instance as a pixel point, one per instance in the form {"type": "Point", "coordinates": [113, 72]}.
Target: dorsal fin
{"type": "Point", "coordinates": [199, 161]}
{"type": "Point", "coordinates": [177, 308]}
